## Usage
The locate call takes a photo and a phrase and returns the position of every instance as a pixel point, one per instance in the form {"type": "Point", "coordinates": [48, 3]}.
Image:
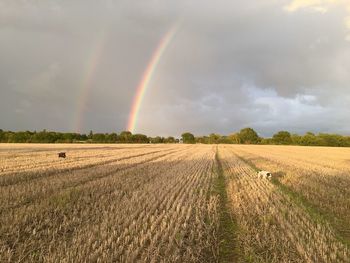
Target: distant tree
{"type": "Point", "coordinates": [139, 138]}
{"type": "Point", "coordinates": [266, 141]}
{"type": "Point", "coordinates": [248, 136]}
{"type": "Point", "coordinates": [296, 139]}
{"type": "Point", "coordinates": [234, 138]}
{"type": "Point", "coordinates": [170, 139]}
{"type": "Point", "coordinates": [66, 137]}
{"type": "Point", "coordinates": [214, 138]}
{"type": "Point", "coordinates": [282, 137]}
{"type": "Point", "coordinates": [224, 140]}
{"type": "Point", "coordinates": [112, 137]}
{"type": "Point", "coordinates": [188, 138]}
{"type": "Point", "coordinates": [6, 136]}
{"type": "Point", "coordinates": [20, 137]}
{"type": "Point", "coordinates": [157, 139]}
{"type": "Point", "coordinates": [202, 139]}
{"type": "Point", "coordinates": [82, 137]}
{"type": "Point", "coordinates": [99, 137]}
{"type": "Point", "coordinates": [91, 133]}
{"type": "Point", "coordinates": [347, 141]}
{"type": "Point", "coordinates": [125, 137]}
{"type": "Point", "coordinates": [45, 137]}
{"type": "Point", "coordinates": [310, 139]}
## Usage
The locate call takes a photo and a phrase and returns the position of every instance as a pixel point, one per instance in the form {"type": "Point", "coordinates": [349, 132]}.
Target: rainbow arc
{"type": "Point", "coordinates": [147, 77]}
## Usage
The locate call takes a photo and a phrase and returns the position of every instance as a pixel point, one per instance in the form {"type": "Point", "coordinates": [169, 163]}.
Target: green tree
{"type": "Point", "coordinates": [125, 136]}
{"type": "Point", "coordinates": [224, 140]}
{"type": "Point", "coordinates": [267, 141]}
{"type": "Point", "coordinates": [333, 140]}
{"type": "Point", "coordinates": [170, 139]}
{"type": "Point", "coordinates": [67, 137]}
{"type": "Point", "coordinates": [234, 138]}
{"type": "Point", "coordinates": [99, 137]}
{"type": "Point", "coordinates": [214, 138]}
{"type": "Point", "coordinates": [157, 139]}
{"type": "Point", "coordinates": [45, 137]}
{"type": "Point", "coordinates": [202, 139]}
{"type": "Point", "coordinates": [282, 137]}
{"type": "Point", "coordinates": [310, 139]}
{"type": "Point", "coordinates": [139, 138]}
{"type": "Point", "coordinates": [20, 137]}
{"type": "Point", "coordinates": [112, 137]}
{"type": "Point", "coordinates": [188, 138]}
{"type": "Point", "coordinates": [91, 134]}
{"type": "Point", "coordinates": [296, 139]}
{"type": "Point", "coordinates": [2, 135]}
{"type": "Point", "coordinates": [81, 137]}
{"type": "Point", "coordinates": [248, 136]}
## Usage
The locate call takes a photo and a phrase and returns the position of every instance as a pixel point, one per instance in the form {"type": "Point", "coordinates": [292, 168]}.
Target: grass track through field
{"type": "Point", "coordinates": [228, 251]}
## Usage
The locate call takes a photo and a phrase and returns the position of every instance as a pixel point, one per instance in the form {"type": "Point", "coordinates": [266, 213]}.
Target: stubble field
{"type": "Point", "coordinates": [174, 203]}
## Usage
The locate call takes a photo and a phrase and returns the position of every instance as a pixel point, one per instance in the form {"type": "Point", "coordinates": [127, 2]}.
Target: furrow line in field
{"type": "Point", "coordinates": [35, 161]}
{"type": "Point", "coordinates": [64, 183]}
{"type": "Point", "coordinates": [176, 202]}
{"type": "Point", "coordinates": [93, 187]}
{"type": "Point", "coordinates": [112, 217]}
{"type": "Point", "coordinates": [24, 178]}
{"type": "Point", "coordinates": [171, 187]}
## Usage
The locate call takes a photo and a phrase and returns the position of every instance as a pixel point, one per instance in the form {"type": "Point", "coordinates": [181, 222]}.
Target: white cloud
{"type": "Point", "coordinates": [321, 6]}
{"type": "Point", "coordinates": [315, 5]}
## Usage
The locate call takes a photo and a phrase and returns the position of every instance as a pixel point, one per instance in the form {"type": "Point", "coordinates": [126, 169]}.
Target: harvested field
{"type": "Point", "coordinates": [274, 224]}
{"type": "Point", "coordinates": [319, 177]}
{"type": "Point", "coordinates": [173, 203]}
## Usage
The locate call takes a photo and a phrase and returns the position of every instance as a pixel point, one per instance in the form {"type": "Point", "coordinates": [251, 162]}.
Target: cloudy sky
{"type": "Point", "coordinates": [71, 65]}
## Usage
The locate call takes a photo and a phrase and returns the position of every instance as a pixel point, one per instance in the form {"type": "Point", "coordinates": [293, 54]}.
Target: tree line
{"type": "Point", "coordinates": [244, 136]}
{"type": "Point", "coordinates": [61, 137]}
{"type": "Point", "coordinates": [250, 136]}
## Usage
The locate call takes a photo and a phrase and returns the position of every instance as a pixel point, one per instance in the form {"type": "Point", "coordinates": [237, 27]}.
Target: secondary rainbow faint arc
{"type": "Point", "coordinates": [147, 77]}
{"type": "Point", "coordinates": [88, 78]}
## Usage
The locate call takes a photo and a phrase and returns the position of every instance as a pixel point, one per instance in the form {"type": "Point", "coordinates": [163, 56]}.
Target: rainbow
{"type": "Point", "coordinates": [88, 78]}
{"type": "Point", "coordinates": [147, 77]}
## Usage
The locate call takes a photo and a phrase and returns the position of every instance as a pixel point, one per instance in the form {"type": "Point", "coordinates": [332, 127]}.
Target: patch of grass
{"type": "Point", "coordinates": [228, 249]}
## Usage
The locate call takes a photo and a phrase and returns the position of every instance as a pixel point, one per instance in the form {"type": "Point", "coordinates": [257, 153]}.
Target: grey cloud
{"type": "Point", "coordinates": [232, 64]}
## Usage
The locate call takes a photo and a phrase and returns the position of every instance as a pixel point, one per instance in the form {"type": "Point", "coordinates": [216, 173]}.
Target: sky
{"type": "Point", "coordinates": [76, 65]}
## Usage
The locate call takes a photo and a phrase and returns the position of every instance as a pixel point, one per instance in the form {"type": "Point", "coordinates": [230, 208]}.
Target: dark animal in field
{"type": "Point", "coordinates": [62, 155]}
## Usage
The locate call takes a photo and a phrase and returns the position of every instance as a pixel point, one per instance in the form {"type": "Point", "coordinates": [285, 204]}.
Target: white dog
{"type": "Point", "coordinates": [264, 175]}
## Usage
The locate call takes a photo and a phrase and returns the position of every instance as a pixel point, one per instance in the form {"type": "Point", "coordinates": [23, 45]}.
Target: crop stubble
{"type": "Point", "coordinates": [154, 206]}
{"type": "Point", "coordinates": [162, 203]}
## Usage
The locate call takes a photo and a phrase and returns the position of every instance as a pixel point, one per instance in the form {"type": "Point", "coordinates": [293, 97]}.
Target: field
{"type": "Point", "coordinates": [173, 203]}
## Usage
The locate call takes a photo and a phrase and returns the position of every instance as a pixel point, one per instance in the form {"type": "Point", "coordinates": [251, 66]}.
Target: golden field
{"type": "Point", "coordinates": [173, 203]}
